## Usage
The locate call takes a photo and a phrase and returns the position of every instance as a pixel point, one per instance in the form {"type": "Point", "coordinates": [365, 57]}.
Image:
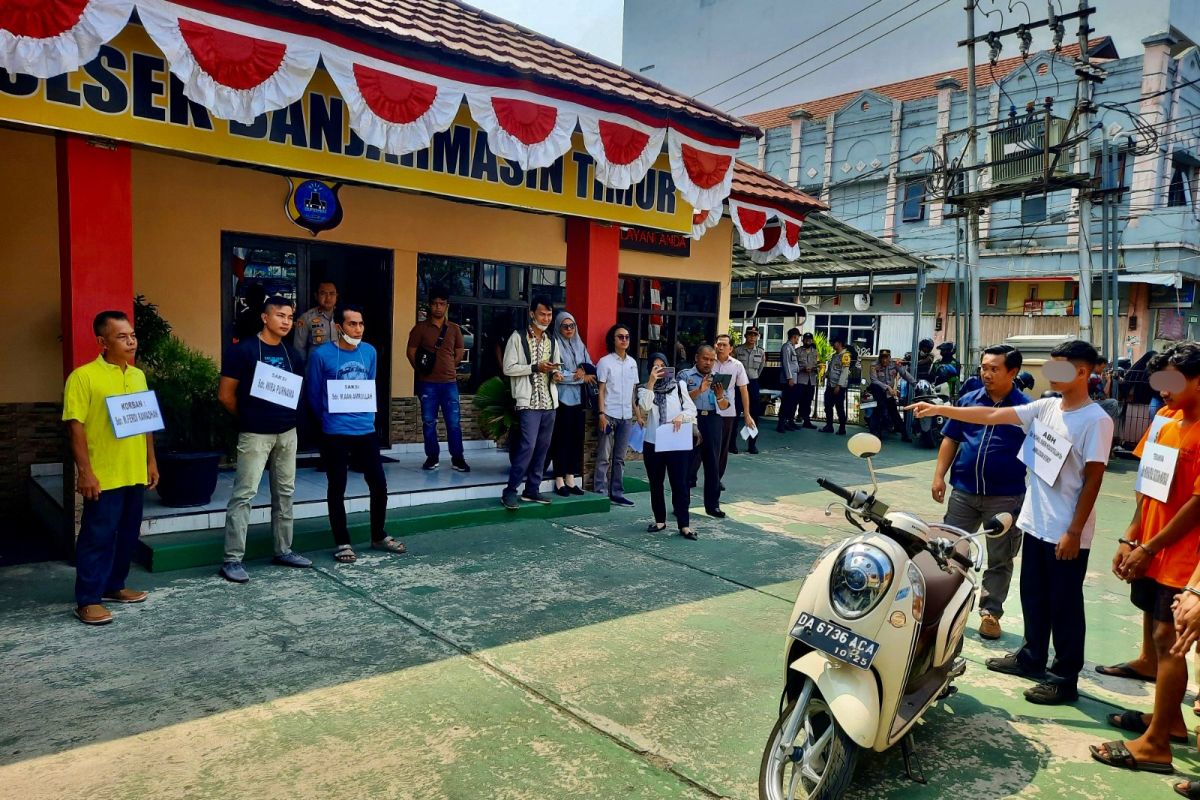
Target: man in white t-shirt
{"type": "Point", "coordinates": [617, 374]}
{"type": "Point", "coordinates": [1067, 447]}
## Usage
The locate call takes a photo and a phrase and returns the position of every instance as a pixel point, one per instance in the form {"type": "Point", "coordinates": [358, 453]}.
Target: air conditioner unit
{"type": "Point", "coordinates": [811, 300]}
{"type": "Point", "coordinates": [1017, 151]}
{"type": "Point", "coordinates": [862, 302]}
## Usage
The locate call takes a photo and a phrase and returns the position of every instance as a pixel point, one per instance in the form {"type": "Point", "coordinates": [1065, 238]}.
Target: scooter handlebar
{"type": "Point", "coordinates": [830, 486]}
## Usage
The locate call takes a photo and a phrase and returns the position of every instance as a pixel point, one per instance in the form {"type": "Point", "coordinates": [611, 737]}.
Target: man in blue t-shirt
{"type": "Point", "coordinates": [256, 389]}
{"type": "Point", "coordinates": [341, 388]}
{"type": "Point", "coordinates": [987, 476]}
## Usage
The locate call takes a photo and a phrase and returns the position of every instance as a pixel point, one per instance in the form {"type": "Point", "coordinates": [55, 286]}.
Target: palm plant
{"type": "Point", "coordinates": [497, 410]}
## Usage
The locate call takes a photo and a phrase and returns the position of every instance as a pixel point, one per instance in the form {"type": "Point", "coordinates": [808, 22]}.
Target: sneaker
{"type": "Point", "coordinates": [233, 571]}
{"type": "Point", "coordinates": [1011, 665]}
{"type": "Point", "coordinates": [93, 614]}
{"type": "Point", "coordinates": [457, 464]}
{"type": "Point", "coordinates": [622, 501]}
{"type": "Point", "coordinates": [1051, 693]}
{"type": "Point", "coordinates": [989, 627]}
{"type": "Point", "coordinates": [535, 497]}
{"type": "Point", "coordinates": [126, 596]}
{"type": "Point", "coordinates": [291, 559]}
{"type": "Point", "coordinates": [430, 463]}
{"type": "Point", "coordinates": [509, 500]}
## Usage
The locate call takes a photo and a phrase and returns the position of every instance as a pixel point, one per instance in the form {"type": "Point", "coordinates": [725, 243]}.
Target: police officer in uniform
{"type": "Point", "coordinates": [753, 358]}
{"type": "Point", "coordinates": [315, 327]}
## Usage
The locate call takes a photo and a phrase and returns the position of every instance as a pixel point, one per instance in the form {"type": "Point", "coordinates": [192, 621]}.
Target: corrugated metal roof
{"type": "Point", "coordinates": [909, 89]}
{"type": "Point", "coordinates": [476, 36]}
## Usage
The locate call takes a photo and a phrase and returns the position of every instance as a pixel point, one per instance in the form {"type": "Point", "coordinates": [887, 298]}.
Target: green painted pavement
{"type": "Point", "coordinates": [525, 658]}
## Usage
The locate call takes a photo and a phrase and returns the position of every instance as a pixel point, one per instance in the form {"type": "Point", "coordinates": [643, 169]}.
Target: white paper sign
{"type": "Point", "coordinates": [667, 439]}
{"type": "Point", "coordinates": [1156, 471]}
{"type": "Point", "coordinates": [1156, 425]}
{"type": "Point", "coordinates": [748, 432]}
{"type": "Point", "coordinates": [276, 385]}
{"type": "Point", "coordinates": [135, 413]}
{"type": "Point", "coordinates": [1046, 451]}
{"type": "Point", "coordinates": [350, 397]}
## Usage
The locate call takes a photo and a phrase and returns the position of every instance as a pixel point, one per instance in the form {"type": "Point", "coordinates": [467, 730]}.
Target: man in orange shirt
{"type": "Point", "coordinates": [1159, 557]}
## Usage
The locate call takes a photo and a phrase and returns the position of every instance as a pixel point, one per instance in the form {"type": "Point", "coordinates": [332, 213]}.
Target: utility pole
{"type": "Point", "coordinates": [1083, 107]}
{"type": "Point", "coordinates": [970, 159]}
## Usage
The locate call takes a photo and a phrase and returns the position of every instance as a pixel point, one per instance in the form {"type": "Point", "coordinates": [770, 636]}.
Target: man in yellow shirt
{"type": "Point", "coordinates": [113, 473]}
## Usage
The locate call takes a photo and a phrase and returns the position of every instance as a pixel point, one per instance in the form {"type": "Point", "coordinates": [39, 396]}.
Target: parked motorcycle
{"type": "Point", "coordinates": [874, 640]}
{"type": "Point", "coordinates": [927, 431]}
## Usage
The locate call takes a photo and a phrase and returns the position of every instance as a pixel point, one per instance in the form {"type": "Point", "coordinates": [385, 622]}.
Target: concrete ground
{"type": "Point", "coordinates": [537, 659]}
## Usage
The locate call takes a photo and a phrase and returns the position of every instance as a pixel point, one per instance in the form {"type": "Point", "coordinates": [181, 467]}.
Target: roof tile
{"type": "Point", "coordinates": [752, 182]}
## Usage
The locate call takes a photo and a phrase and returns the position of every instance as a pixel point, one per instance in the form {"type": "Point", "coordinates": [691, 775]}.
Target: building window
{"type": "Point", "coordinates": [993, 295]}
{"type": "Point", "coordinates": [854, 329]}
{"type": "Point", "coordinates": [1179, 193]}
{"type": "Point", "coordinates": [898, 299]}
{"type": "Point", "coordinates": [1033, 293]}
{"type": "Point", "coordinates": [666, 316]}
{"type": "Point", "coordinates": [489, 300]}
{"type": "Point", "coordinates": [914, 201]}
{"type": "Point", "coordinates": [1033, 209]}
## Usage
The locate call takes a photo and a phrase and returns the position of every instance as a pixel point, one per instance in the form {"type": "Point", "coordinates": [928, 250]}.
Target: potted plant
{"type": "Point", "coordinates": [496, 408]}
{"type": "Point", "coordinates": [197, 430]}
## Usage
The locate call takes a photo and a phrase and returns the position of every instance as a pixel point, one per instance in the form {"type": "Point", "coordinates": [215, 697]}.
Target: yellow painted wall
{"type": "Point", "coordinates": [1047, 290]}
{"type": "Point", "coordinates": [29, 269]}
{"type": "Point", "coordinates": [181, 206]}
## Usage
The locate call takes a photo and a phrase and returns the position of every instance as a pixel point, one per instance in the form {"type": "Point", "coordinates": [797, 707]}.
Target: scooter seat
{"type": "Point", "coordinates": [940, 586]}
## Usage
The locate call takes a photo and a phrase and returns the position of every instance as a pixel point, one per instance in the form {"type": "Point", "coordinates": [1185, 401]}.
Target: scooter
{"type": "Point", "coordinates": [927, 431]}
{"type": "Point", "coordinates": [874, 640]}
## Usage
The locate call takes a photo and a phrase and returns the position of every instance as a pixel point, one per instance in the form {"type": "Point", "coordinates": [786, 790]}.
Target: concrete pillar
{"type": "Point", "coordinates": [946, 87]}
{"type": "Point", "coordinates": [799, 118]}
{"type": "Point", "coordinates": [828, 158]}
{"type": "Point", "coordinates": [1159, 73]}
{"type": "Point", "coordinates": [593, 259]}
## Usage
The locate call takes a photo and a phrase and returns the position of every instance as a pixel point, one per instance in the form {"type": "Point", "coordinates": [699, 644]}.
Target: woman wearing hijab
{"type": "Point", "coordinates": [578, 372]}
{"type": "Point", "coordinates": [666, 402]}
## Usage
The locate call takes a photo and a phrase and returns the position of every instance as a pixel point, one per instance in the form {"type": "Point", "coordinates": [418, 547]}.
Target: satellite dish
{"type": "Point", "coordinates": [862, 302]}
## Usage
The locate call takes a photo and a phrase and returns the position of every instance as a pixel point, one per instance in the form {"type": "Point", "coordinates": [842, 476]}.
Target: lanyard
{"type": "Point", "coordinates": [286, 357]}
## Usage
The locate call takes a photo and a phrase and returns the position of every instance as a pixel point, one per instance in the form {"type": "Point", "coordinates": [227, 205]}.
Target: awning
{"type": "Point", "coordinates": [403, 82]}
{"type": "Point", "coordinates": [829, 248]}
{"type": "Point", "coordinates": [1173, 279]}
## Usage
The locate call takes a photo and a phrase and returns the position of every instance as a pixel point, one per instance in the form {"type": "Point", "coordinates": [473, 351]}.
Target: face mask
{"type": "Point", "coordinates": [539, 325]}
{"type": "Point", "coordinates": [350, 340]}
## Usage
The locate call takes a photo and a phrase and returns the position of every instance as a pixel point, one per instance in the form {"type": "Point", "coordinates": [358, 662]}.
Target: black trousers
{"type": "Point", "coordinates": [755, 392]}
{"type": "Point", "coordinates": [566, 447]}
{"type": "Point", "coordinates": [708, 455]}
{"type": "Point", "coordinates": [787, 405]}
{"type": "Point", "coordinates": [835, 402]}
{"type": "Point", "coordinates": [661, 467]}
{"type": "Point", "coordinates": [887, 405]}
{"type": "Point", "coordinates": [804, 402]}
{"type": "Point", "coordinates": [1052, 604]}
{"type": "Point", "coordinates": [728, 433]}
{"type": "Point", "coordinates": [338, 452]}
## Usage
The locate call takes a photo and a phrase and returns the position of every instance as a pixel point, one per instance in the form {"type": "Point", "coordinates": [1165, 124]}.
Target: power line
{"type": "Point", "coordinates": [790, 49]}
{"type": "Point", "coordinates": [830, 62]}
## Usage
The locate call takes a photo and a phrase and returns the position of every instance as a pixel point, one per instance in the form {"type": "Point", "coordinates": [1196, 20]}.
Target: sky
{"type": "Point", "coordinates": [691, 60]}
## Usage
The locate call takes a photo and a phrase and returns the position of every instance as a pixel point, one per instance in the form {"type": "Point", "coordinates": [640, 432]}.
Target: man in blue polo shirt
{"type": "Point", "coordinates": [987, 476]}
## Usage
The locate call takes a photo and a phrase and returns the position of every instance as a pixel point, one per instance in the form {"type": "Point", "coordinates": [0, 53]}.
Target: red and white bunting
{"type": "Point", "coordinates": [779, 241]}
{"type": "Point", "coordinates": [391, 107]}
{"type": "Point", "coordinates": [750, 221]}
{"type": "Point", "coordinates": [523, 127]}
{"type": "Point", "coordinates": [43, 38]}
{"type": "Point", "coordinates": [703, 172]}
{"type": "Point", "coordinates": [624, 150]}
{"type": "Point", "coordinates": [703, 220]}
{"type": "Point", "coordinates": [234, 69]}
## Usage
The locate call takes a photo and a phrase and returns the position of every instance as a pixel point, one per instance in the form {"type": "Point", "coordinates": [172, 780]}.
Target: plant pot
{"type": "Point", "coordinates": [187, 479]}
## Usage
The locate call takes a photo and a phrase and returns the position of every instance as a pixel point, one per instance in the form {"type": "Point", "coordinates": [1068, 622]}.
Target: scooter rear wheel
{"type": "Point", "coordinates": [808, 755]}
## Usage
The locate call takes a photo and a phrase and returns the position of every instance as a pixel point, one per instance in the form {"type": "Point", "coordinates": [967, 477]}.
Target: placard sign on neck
{"type": "Point", "coordinates": [1046, 451]}
{"type": "Point", "coordinates": [351, 397]}
{"type": "Point", "coordinates": [1156, 471]}
{"type": "Point", "coordinates": [1156, 425]}
{"type": "Point", "coordinates": [134, 413]}
{"type": "Point", "coordinates": [276, 385]}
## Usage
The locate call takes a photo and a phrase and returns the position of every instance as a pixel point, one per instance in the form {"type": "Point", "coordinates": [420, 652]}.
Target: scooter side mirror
{"type": "Point", "coordinates": [864, 445]}
{"type": "Point", "coordinates": [999, 524]}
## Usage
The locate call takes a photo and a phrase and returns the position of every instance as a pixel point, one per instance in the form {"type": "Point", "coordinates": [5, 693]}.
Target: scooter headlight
{"type": "Point", "coordinates": [861, 576]}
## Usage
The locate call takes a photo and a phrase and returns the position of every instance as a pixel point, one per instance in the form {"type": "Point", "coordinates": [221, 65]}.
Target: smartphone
{"type": "Point", "coordinates": [668, 374]}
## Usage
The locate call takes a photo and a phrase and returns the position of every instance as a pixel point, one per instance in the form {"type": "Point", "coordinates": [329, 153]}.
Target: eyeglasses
{"type": "Point", "coordinates": [622, 336]}
{"type": "Point", "coordinates": [567, 326]}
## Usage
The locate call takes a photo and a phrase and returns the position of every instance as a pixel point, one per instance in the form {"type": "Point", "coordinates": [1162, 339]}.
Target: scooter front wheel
{"type": "Point", "coordinates": [808, 755]}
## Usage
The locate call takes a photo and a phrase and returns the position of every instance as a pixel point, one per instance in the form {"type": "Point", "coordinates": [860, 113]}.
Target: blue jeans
{"type": "Point", "coordinates": [610, 457]}
{"type": "Point", "coordinates": [442, 396]}
{"type": "Point", "coordinates": [108, 534]}
{"type": "Point", "coordinates": [528, 452]}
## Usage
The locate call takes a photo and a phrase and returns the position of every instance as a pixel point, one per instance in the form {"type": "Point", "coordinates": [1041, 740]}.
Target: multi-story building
{"type": "Point", "coordinates": [876, 155]}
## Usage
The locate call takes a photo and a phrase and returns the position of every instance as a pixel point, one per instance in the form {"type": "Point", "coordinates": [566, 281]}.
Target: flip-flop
{"type": "Point", "coordinates": [1134, 722]}
{"type": "Point", "coordinates": [1118, 756]}
{"type": "Point", "coordinates": [1123, 670]}
{"type": "Point", "coordinates": [1191, 789]}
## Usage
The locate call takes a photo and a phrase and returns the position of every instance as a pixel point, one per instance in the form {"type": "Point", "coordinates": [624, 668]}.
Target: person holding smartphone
{"type": "Point", "coordinates": [664, 401]}
{"type": "Point", "coordinates": [617, 374]}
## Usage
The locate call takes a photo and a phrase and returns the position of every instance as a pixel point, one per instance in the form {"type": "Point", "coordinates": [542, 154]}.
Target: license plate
{"type": "Point", "coordinates": [832, 639]}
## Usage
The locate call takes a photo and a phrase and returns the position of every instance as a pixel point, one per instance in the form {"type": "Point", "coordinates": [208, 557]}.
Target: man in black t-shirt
{"type": "Point", "coordinates": [261, 386]}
